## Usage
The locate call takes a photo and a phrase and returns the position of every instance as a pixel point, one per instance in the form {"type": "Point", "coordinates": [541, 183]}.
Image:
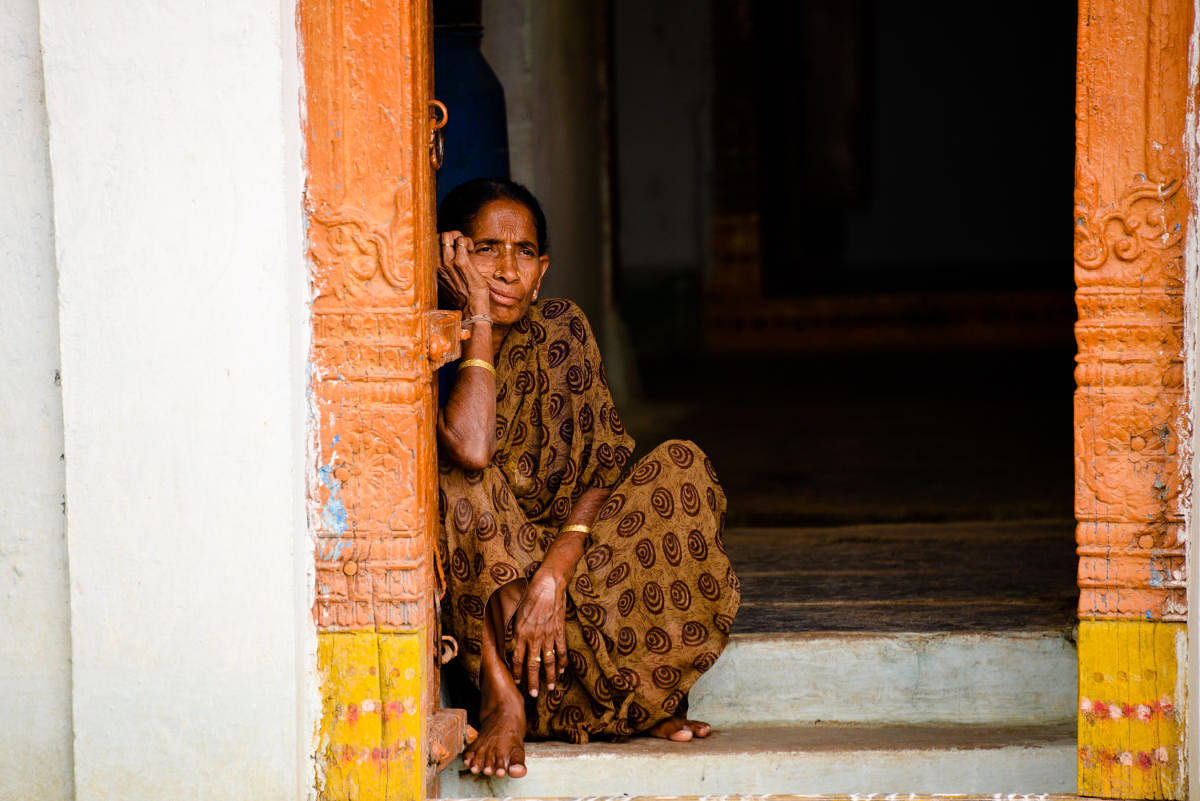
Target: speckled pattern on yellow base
{"type": "Point", "coordinates": [1130, 709]}
{"type": "Point", "coordinates": [370, 739]}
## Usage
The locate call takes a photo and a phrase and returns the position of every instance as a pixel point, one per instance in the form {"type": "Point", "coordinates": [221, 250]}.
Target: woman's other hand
{"type": "Point", "coordinates": [539, 632]}
{"type": "Point", "coordinates": [458, 277]}
{"type": "Point", "coordinates": [539, 625]}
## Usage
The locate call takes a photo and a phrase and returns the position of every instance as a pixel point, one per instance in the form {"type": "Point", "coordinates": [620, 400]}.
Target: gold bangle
{"type": "Point", "coordinates": [477, 363]}
{"type": "Point", "coordinates": [576, 527]}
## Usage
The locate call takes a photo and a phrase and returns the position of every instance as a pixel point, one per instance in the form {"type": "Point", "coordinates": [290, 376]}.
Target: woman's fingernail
{"type": "Point", "coordinates": [550, 686]}
{"type": "Point", "coordinates": [533, 693]}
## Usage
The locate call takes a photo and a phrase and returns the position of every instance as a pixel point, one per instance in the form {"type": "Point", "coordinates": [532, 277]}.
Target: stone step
{"type": "Point", "coordinates": [999, 678]}
{"type": "Point", "coordinates": [819, 797]}
{"type": "Point", "coordinates": [812, 759]}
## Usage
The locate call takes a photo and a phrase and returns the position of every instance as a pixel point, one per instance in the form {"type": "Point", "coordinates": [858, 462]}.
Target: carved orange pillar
{"type": "Point", "coordinates": [375, 342]}
{"type": "Point", "coordinates": [1131, 210]}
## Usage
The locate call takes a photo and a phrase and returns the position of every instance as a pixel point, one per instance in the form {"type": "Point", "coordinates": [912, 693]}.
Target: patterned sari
{"type": "Point", "coordinates": [653, 598]}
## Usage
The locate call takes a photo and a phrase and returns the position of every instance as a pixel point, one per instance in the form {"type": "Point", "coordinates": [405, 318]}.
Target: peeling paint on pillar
{"type": "Point", "coordinates": [1132, 217]}
{"type": "Point", "coordinates": [376, 340]}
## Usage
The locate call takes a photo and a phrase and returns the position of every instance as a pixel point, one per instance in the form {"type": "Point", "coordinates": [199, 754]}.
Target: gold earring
{"type": "Point", "coordinates": [535, 296]}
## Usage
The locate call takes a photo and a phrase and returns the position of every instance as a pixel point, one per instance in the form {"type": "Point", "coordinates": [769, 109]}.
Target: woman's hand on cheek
{"type": "Point", "coordinates": [458, 277]}
{"type": "Point", "coordinates": [539, 633]}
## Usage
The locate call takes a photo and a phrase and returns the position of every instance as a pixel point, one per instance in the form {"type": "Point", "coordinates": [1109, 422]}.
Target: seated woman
{"type": "Point", "coordinates": [601, 593]}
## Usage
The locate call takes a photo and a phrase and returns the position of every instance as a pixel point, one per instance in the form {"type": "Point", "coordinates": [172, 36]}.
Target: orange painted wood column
{"type": "Point", "coordinates": [376, 340]}
{"type": "Point", "coordinates": [1132, 207]}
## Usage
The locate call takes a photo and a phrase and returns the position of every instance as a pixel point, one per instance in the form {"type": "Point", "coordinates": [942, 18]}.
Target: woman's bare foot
{"type": "Point", "coordinates": [680, 729]}
{"type": "Point", "coordinates": [500, 749]}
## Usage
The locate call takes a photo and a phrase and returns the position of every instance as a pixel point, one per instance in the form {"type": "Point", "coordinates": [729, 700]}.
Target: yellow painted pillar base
{"type": "Point", "coordinates": [1131, 702]}
{"type": "Point", "coordinates": [371, 740]}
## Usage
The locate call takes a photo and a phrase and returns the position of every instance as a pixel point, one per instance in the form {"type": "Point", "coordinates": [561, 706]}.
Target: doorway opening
{"type": "Point", "coordinates": [827, 242]}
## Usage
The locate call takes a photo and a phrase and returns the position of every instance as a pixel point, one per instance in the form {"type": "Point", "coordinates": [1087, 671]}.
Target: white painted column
{"type": "Point", "coordinates": [175, 156]}
{"type": "Point", "coordinates": [35, 673]}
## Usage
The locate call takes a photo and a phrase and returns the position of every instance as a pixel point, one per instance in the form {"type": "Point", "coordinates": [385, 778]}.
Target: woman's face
{"type": "Point", "coordinates": [506, 254]}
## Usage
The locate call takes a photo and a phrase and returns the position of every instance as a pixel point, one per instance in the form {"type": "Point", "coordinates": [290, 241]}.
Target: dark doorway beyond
{"type": "Point", "coordinates": [869, 438]}
{"type": "Point", "coordinates": [901, 491]}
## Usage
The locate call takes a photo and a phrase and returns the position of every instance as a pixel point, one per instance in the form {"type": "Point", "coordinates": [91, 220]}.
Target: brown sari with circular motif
{"type": "Point", "coordinates": [653, 599]}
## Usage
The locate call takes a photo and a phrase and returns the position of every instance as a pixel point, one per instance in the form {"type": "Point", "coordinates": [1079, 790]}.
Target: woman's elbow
{"type": "Point", "coordinates": [465, 453]}
{"type": "Point", "coordinates": [473, 458]}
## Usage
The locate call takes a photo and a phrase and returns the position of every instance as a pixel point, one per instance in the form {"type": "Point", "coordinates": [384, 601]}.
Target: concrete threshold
{"type": "Point", "coordinates": [814, 797]}
{"type": "Point", "coordinates": [816, 759]}
{"type": "Point", "coordinates": [1000, 678]}
{"type": "Point", "coordinates": [811, 797]}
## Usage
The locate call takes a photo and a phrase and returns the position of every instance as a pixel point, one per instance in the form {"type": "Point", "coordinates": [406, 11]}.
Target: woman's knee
{"type": "Point", "coordinates": [681, 453]}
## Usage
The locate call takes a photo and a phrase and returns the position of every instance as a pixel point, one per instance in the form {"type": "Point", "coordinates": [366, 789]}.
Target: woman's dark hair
{"type": "Point", "coordinates": [464, 202]}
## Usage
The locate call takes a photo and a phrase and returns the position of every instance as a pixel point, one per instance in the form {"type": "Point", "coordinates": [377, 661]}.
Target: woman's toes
{"type": "Point", "coordinates": [515, 763]}
{"type": "Point", "coordinates": [490, 759]}
{"type": "Point", "coordinates": [479, 761]}
{"type": "Point", "coordinates": [680, 729]}
{"type": "Point", "coordinates": [672, 729]}
{"type": "Point", "coordinates": [682, 734]}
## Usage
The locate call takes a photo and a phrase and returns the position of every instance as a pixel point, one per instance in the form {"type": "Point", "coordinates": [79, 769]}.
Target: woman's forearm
{"type": "Point", "coordinates": [565, 552]}
{"type": "Point", "coordinates": [466, 426]}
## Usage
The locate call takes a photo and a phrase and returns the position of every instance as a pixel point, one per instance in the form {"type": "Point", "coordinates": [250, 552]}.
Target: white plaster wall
{"type": "Point", "coordinates": [35, 688]}
{"type": "Point", "coordinates": [175, 159]}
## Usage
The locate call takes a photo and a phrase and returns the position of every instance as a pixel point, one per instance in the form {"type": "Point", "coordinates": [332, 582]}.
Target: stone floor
{"type": "Point", "coordinates": [969, 576]}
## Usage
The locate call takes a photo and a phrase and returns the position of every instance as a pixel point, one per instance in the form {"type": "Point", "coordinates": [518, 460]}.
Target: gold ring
{"type": "Point", "coordinates": [537, 659]}
{"type": "Point", "coordinates": [549, 653]}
